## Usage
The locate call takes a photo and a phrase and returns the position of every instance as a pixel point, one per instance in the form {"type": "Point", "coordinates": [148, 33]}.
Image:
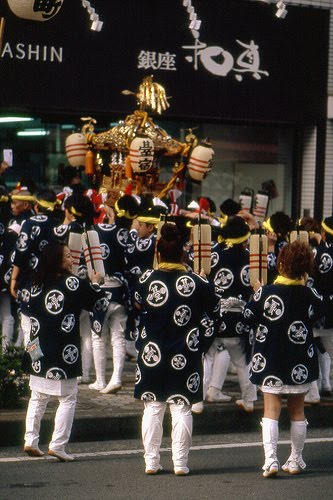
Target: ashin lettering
{"type": "Point", "coordinates": [30, 52]}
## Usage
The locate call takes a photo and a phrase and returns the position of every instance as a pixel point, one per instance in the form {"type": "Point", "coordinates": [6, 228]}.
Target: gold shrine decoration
{"type": "Point", "coordinates": [153, 95]}
{"type": "Point", "coordinates": [35, 10]}
{"type": "Point", "coordinates": [120, 137]}
{"type": "Point", "coordinates": [150, 94]}
{"type": "Point", "coordinates": [136, 145]}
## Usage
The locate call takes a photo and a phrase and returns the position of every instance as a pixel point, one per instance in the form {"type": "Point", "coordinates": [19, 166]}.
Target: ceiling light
{"type": "Point", "coordinates": [33, 132]}
{"type": "Point", "coordinates": [12, 119]}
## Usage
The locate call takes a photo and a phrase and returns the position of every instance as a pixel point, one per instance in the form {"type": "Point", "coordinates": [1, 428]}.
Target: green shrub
{"type": "Point", "coordinates": [14, 383]}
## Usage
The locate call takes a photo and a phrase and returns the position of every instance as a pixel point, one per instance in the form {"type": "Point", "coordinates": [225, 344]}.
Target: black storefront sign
{"type": "Point", "coordinates": [245, 64]}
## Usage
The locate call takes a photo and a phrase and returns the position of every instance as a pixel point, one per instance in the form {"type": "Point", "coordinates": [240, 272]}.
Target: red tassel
{"type": "Point", "coordinates": [129, 189]}
{"type": "Point", "coordinates": [204, 205]}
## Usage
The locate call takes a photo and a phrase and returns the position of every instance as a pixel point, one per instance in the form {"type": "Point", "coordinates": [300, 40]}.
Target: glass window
{"type": "Point", "coordinates": [246, 156]}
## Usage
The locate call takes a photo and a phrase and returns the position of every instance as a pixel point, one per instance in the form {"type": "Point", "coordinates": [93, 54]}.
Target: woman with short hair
{"type": "Point", "coordinates": [284, 359]}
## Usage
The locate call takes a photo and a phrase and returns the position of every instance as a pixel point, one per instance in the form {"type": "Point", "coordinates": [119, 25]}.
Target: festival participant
{"type": "Point", "coordinates": [35, 233]}
{"type": "Point", "coordinates": [114, 238]}
{"type": "Point", "coordinates": [8, 238]}
{"type": "Point", "coordinates": [278, 228]}
{"type": "Point", "coordinates": [232, 283]}
{"type": "Point", "coordinates": [323, 282]}
{"type": "Point", "coordinates": [140, 249]}
{"type": "Point", "coordinates": [139, 256]}
{"type": "Point", "coordinates": [22, 202]}
{"type": "Point", "coordinates": [284, 360]}
{"type": "Point", "coordinates": [21, 205]}
{"type": "Point", "coordinates": [176, 328]}
{"type": "Point", "coordinates": [231, 207]}
{"type": "Point", "coordinates": [79, 213]}
{"type": "Point", "coordinates": [313, 228]}
{"type": "Point", "coordinates": [55, 302]}
{"type": "Point", "coordinates": [228, 208]}
{"type": "Point", "coordinates": [217, 359]}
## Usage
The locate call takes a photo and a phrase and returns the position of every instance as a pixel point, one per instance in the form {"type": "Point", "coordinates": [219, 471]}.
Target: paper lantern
{"type": "Point", "coordinates": [93, 252]}
{"type": "Point", "coordinates": [200, 162]}
{"type": "Point", "coordinates": [141, 154]}
{"type": "Point", "coordinates": [246, 200]}
{"type": "Point", "coordinates": [35, 10]}
{"type": "Point", "coordinates": [76, 149]}
{"type": "Point", "coordinates": [261, 206]}
{"type": "Point", "coordinates": [75, 246]}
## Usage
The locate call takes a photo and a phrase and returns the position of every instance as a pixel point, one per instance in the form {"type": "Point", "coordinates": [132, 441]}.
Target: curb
{"type": "Point", "coordinates": [216, 419]}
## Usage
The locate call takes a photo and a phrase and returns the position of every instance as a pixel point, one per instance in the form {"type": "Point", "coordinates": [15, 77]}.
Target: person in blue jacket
{"type": "Point", "coordinates": [54, 303]}
{"type": "Point", "coordinates": [176, 328]}
{"type": "Point", "coordinates": [284, 360]}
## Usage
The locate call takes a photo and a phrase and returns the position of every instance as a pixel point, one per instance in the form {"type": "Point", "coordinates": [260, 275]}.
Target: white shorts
{"type": "Point", "coordinates": [53, 387]}
{"type": "Point", "coordinates": [286, 389]}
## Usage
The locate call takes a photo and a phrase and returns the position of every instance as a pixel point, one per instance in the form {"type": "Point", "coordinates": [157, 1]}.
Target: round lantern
{"type": "Point", "coordinates": [35, 10]}
{"type": "Point", "coordinates": [141, 154]}
{"type": "Point", "coordinates": [200, 162]}
{"type": "Point", "coordinates": [76, 149]}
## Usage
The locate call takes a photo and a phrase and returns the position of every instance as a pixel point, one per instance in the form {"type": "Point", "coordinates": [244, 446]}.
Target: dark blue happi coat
{"type": "Point", "coordinates": [176, 328]}
{"type": "Point", "coordinates": [54, 312]}
{"type": "Point", "coordinates": [282, 317]}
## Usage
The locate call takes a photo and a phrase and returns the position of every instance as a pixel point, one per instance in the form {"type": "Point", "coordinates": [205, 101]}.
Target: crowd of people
{"type": "Point", "coordinates": [64, 297]}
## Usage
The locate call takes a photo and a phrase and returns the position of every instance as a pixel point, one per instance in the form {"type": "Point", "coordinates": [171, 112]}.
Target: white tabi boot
{"type": "Point", "coordinates": [99, 354]}
{"type": "Point", "coordinates": [313, 396]}
{"type": "Point", "coordinates": [118, 358]}
{"type": "Point", "coordinates": [295, 463]}
{"type": "Point", "coordinates": [325, 370]}
{"type": "Point", "coordinates": [270, 436]}
{"type": "Point", "coordinates": [86, 347]}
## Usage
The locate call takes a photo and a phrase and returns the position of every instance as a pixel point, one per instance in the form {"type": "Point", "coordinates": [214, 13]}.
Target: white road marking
{"type": "Point", "coordinates": [111, 453]}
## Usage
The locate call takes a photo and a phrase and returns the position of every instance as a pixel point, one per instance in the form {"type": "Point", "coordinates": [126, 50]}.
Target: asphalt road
{"type": "Point", "coordinates": [222, 467]}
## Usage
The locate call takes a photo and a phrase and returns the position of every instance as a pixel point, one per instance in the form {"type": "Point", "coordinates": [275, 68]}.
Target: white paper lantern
{"type": "Point", "coordinates": [200, 162]}
{"type": "Point", "coordinates": [260, 206]}
{"type": "Point", "coordinates": [93, 252]}
{"type": "Point", "coordinates": [35, 10]}
{"type": "Point", "coordinates": [141, 154]}
{"type": "Point", "coordinates": [76, 149]}
{"type": "Point", "coordinates": [245, 199]}
{"type": "Point", "coordinates": [75, 246]}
